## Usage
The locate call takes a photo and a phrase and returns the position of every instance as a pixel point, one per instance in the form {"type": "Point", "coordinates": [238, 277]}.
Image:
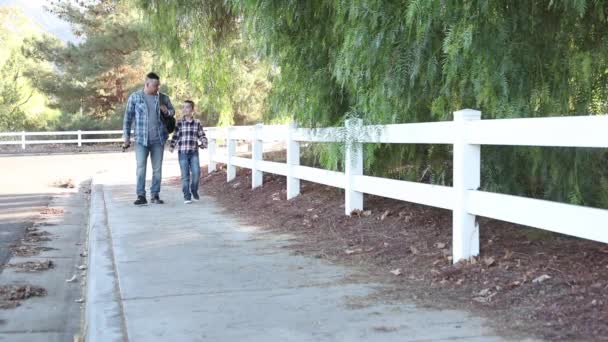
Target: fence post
{"type": "Point", "coordinates": [467, 169]}
{"type": "Point", "coordinates": [211, 165]}
{"type": "Point", "coordinates": [293, 159]}
{"type": "Point", "coordinates": [231, 151]}
{"type": "Point", "coordinates": [353, 166]}
{"type": "Point", "coordinates": [257, 150]}
{"type": "Point", "coordinates": [23, 140]}
{"type": "Point", "coordinates": [79, 138]}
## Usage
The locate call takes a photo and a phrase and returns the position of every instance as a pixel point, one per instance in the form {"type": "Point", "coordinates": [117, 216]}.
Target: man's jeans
{"type": "Point", "coordinates": [156, 156]}
{"type": "Point", "coordinates": [189, 166]}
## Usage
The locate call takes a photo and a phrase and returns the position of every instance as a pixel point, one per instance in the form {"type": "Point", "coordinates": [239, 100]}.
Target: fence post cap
{"type": "Point", "coordinates": [467, 114]}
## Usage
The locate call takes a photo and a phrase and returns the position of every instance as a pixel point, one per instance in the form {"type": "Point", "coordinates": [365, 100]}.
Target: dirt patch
{"type": "Point", "coordinates": [530, 281]}
{"type": "Point", "coordinates": [52, 211]}
{"type": "Point", "coordinates": [64, 183]}
{"type": "Point", "coordinates": [32, 266]}
{"type": "Point", "coordinates": [11, 296]}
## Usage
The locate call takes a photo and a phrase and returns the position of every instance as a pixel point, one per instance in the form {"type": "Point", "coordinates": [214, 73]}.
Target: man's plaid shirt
{"type": "Point", "coordinates": [187, 135]}
{"type": "Point", "coordinates": [137, 112]}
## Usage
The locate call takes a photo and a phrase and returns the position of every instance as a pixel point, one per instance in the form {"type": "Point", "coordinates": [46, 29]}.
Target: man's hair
{"type": "Point", "coordinates": [190, 102]}
{"type": "Point", "coordinates": [152, 76]}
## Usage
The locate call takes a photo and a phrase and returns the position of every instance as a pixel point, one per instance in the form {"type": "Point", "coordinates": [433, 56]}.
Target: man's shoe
{"type": "Point", "coordinates": [157, 200]}
{"type": "Point", "coordinates": [195, 197]}
{"type": "Point", "coordinates": [141, 200]}
{"type": "Point", "coordinates": [187, 201]}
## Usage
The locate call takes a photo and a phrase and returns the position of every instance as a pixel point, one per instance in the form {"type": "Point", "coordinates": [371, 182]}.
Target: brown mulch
{"type": "Point", "coordinates": [11, 296]}
{"type": "Point", "coordinates": [528, 281]}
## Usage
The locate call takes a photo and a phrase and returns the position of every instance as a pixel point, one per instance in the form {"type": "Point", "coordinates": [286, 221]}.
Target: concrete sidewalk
{"type": "Point", "coordinates": [179, 272]}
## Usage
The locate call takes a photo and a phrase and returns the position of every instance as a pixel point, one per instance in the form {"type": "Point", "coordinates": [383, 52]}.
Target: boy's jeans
{"type": "Point", "coordinates": [156, 157]}
{"type": "Point", "coordinates": [189, 165]}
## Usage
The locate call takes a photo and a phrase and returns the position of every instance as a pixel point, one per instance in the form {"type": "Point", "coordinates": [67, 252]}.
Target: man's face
{"type": "Point", "coordinates": [151, 86]}
{"type": "Point", "coordinates": [187, 109]}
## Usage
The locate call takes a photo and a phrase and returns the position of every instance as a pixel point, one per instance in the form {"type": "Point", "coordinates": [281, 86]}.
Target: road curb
{"type": "Point", "coordinates": [104, 318]}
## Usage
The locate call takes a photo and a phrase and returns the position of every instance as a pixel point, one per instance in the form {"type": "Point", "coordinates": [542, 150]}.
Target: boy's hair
{"type": "Point", "coordinates": [190, 102]}
{"type": "Point", "coordinates": [152, 76]}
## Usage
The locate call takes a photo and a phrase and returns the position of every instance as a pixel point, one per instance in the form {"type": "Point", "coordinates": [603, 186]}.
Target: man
{"type": "Point", "coordinates": [144, 108]}
{"type": "Point", "coordinates": [188, 133]}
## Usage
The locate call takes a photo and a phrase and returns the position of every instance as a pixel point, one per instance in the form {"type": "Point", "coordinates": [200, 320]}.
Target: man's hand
{"type": "Point", "coordinates": [164, 109]}
{"type": "Point", "coordinates": [126, 145]}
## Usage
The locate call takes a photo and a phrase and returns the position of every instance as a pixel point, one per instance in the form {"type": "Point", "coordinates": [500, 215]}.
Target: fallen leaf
{"type": "Point", "coordinates": [71, 280]}
{"type": "Point", "coordinates": [484, 292]}
{"type": "Point", "coordinates": [414, 250]}
{"type": "Point", "coordinates": [396, 271]}
{"type": "Point", "coordinates": [540, 279]}
{"type": "Point", "coordinates": [440, 245]}
{"type": "Point", "coordinates": [356, 212]}
{"type": "Point", "coordinates": [82, 267]}
{"type": "Point", "coordinates": [367, 213]}
{"type": "Point", "coordinates": [489, 261]}
{"type": "Point", "coordinates": [508, 254]}
{"type": "Point", "coordinates": [352, 251]}
{"type": "Point", "coordinates": [481, 299]}
{"type": "Point", "coordinates": [79, 300]}
{"type": "Point", "coordinates": [385, 215]}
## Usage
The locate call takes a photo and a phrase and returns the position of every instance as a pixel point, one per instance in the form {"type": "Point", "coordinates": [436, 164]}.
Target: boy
{"type": "Point", "coordinates": [188, 132]}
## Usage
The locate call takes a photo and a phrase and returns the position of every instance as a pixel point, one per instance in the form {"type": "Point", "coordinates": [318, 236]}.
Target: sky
{"type": "Point", "coordinates": [34, 9]}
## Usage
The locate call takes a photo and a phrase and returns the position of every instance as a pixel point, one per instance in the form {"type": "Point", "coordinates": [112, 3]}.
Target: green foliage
{"type": "Point", "coordinates": [200, 42]}
{"type": "Point", "coordinates": [405, 61]}
{"type": "Point", "coordinates": [413, 61]}
{"type": "Point", "coordinates": [21, 105]}
{"type": "Point", "coordinates": [95, 75]}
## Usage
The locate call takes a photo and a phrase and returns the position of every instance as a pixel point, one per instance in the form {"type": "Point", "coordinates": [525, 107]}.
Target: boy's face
{"type": "Point", "coordinates": [187, 109]}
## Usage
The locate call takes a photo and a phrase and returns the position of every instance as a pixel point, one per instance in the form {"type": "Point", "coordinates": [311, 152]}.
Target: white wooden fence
{"type": "Point", "coordinates": [76, 137]}
{"type": "Point", "coordinates": [466, 133]}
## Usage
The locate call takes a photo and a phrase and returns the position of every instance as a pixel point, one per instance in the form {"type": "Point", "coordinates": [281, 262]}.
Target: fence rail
{"type": "Point", "coordinates": [467, 132]}
{"type": "Point", "coordinates": [78, 135]}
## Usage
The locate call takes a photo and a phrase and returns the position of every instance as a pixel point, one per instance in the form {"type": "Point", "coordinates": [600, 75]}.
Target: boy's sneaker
{"type": "Point", "coordinates": [195, 197]}
{"type": "Point", "coordinates": [157, 200]}
{"type": "Point", "coordinates": [141, 200]}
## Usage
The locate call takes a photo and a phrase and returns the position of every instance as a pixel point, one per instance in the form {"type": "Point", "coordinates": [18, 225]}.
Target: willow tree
{"type": "Point", "coordinates": [201, 43]}
{"type": "Point", "coordinates": [417, 60]}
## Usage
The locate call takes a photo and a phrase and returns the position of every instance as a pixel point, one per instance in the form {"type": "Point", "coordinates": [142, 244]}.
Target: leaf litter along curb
{"type": "Point", "coordinates": [32, 266]}
{"type": "Point", "coordinates": [570, 305]}
{"type": "Point", "coordinates": [11, 296]}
